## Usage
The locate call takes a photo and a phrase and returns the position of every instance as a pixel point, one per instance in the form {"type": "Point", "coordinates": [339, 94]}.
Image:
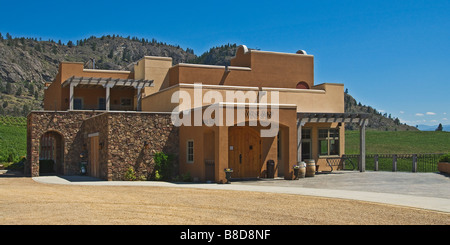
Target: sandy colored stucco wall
{"type": "Point", "coordinates": [156, 69]}
{"type": "Point", "coordinates": [56, 96]}
{"type": "Point", "coordinates": [268, 70]}
{"type": "Point", "coordinates": [323, 98]}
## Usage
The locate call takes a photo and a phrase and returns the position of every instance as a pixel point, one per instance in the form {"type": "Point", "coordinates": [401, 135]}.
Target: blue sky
{"type": "Point", "coordinates": [393, 55]}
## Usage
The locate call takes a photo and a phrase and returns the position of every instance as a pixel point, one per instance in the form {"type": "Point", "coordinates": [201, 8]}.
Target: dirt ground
{"type": "Point", "coordinates": [26, 202]}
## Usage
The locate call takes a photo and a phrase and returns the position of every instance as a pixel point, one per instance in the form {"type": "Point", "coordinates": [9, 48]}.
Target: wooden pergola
{"type": "Point", "coordinates": [107, 83]}
{"type": "Point", "coordinates": [361, 119]}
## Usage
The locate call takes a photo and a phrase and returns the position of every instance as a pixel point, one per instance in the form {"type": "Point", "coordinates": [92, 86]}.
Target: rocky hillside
{"type": "Point", "coordinates": [377, 120]}
{"type": "Point", "coordinates": [27, 63]}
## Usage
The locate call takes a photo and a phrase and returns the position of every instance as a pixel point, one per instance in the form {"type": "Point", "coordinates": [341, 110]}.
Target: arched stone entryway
{"type": "Point", "coordinates": [51, 153]}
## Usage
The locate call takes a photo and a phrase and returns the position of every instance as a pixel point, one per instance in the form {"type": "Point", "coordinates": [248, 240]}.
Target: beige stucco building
{"type": "Point", "coordinates": [264, 108]}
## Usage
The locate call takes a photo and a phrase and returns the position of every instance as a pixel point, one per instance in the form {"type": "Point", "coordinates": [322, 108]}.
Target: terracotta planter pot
{"type": "Point", "coordinates": [444, 167]}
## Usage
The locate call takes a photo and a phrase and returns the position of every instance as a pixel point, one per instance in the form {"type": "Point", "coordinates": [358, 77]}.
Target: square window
{"type": "Point", "coordinates": [125, 102]}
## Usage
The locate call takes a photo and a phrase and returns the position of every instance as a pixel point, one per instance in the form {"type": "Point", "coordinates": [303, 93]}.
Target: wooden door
{"type": "Point", "coordinates": [93, 157]}
{"type": "Point", "coordinates": [244, 153]}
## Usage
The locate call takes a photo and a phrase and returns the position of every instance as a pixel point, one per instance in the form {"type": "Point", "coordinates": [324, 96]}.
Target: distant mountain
{"type": "Point", "coordinates": [26, 64]}
{"type": "Point", "coordinates": [377, 120]}
{"type": "Point", "coordinates": [422, 127]}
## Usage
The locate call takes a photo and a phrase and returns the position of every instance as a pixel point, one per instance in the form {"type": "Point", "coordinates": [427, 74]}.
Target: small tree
{"type": "Point", "coordinates": [163, 166]}
{"type": "Point", "coordinates": [19, 91]}
{"type": "Point", "coordinates": [8, 88]}
{"type": "Point", "coordinates": [439, 128]}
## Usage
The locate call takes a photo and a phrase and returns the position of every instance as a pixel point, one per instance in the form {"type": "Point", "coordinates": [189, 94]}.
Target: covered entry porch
{"type": "Point", "coordinates": [321, 137]}
{"type": "Point", "coordinates": [242, 145]}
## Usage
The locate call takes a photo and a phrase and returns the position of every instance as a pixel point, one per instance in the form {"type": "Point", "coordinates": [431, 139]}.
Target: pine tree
{"type": "Point", "coordinates": [8, 89]}
{"type": "Point", "coordinates": [31, 89]}
{"type": "Point", "coordinates": [111, 53]}
{"type": "Point", "coordinates": [19, 91]}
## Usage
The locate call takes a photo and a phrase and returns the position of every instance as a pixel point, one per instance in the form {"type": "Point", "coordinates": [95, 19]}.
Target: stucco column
{"type": "Point", "coordinates": [71, 88]}
{"type": "Point", "coordinates": [108, 96]}
{"type": "Point", "coordinates": [139, 98]}
{"type": "Point", "coordinates": [221, 153]}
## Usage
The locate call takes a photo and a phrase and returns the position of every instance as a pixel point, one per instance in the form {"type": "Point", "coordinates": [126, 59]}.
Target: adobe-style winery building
{"type": "Point", "coordinates": [263, 108]}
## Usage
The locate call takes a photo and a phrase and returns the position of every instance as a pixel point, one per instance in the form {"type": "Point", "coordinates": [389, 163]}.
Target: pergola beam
{"type": "Point", "coordinates": [107, 83]}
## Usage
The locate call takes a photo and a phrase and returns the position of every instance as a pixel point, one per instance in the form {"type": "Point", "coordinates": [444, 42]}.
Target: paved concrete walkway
{"type": "Point", "coordinates": [420, 190]}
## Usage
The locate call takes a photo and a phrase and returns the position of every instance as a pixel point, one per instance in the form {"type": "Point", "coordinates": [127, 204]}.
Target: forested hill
{"type": "Point", "coordinates": [27, 63]}
{"type": "Point", "coordinates": [377, 120]}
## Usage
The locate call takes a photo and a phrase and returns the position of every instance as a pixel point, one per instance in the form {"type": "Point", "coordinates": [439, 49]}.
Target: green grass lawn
{"type": "Point", "coordinates": [399, 142]}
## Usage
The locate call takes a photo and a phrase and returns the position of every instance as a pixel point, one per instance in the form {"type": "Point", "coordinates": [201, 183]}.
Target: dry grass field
{"type": "Point", "coordinates": [26, 202]}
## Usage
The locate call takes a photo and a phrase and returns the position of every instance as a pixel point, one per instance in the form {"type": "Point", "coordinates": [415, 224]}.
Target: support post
{"type": "Point", "coordinates": [108, 96]}
{"type": "Point", "coordinates": [375, 158]}
{"type": "Point", "coordinates": [362, 146]}
{"type": "Point", "coordinates": [72, 86]}
{"type": "Point", "coordinates": [394, 162]}
{"type": "Point", "coordinates": [414, 163]}
{"type": "Point", "coordinates": [139, 98]}
{"type": "Point", "coordinates": [299, 141]}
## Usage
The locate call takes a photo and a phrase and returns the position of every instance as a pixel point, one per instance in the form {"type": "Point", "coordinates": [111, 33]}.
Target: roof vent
{"type": "Point", "coordinates": [301, 52]}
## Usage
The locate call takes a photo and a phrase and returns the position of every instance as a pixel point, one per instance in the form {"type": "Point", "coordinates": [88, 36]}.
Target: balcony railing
{"type": "Point", "coordinates": [103, 107]}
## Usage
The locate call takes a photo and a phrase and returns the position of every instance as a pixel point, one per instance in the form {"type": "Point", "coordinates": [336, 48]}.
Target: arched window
{"type": "Point", "coordinates": [302, 85]}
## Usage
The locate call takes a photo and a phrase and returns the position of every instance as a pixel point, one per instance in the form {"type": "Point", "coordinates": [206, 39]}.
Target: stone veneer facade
{"type": "Point", "coordinates": [121, 135]}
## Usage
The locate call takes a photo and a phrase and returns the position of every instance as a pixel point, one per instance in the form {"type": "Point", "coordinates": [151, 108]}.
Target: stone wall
{"type": "Point", "coordinates": [67, 125]}
{"type": "Point", "coordinates": [128, 139]}
{"type": "Point", "coordinates": [128, 135]}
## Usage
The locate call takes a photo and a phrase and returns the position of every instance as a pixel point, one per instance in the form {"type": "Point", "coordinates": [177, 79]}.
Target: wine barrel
{"type": "Point", "coordinates": [310, 168]}
{"type": "Point", "coordinates": [302, 170]}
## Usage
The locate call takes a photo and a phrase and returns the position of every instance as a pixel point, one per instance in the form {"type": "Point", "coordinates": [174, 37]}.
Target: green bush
{"type": "Point", "coordinates": [163, 166]}
{"type": "Point", "coordinates": [186, 177]}
{"type": "Point", "coordinates": [445, 158]}
{"type": "Point", "coordinates": [157, 176]}
{"type": "Point", "coordinates": [130, 175]}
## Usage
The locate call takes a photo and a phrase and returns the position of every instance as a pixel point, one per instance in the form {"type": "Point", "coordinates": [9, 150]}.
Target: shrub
{"type": "Point", "coordinates": [11, 157]}
{"type": "Point", "coordinates": [130, 174]}
{"type": "Point", "coordinates": [163, 166]}
{"type": "Point", "coordinates": [445, 158]}
{"type": "Point", "coordinates": [157, 176]}
{"type": "Point", "coordinates": [186, 177]}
